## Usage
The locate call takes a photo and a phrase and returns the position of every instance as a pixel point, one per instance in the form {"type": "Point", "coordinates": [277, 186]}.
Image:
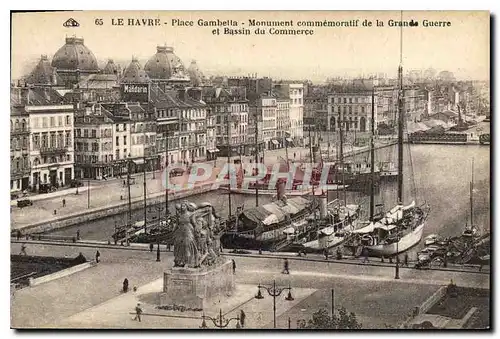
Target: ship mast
{"type": "Point", "coordinates": [400, 123]}
{"type": "Point", "coordinates": [372, 157]}
{"type": "Point", "coordinates": [256, 160]}
{"type": "Point", "coordinates": [471, 200]}
{"type": "Point", "coordinates": [341, 158]}
{"type": "Point", "coordinates": [229, 116]}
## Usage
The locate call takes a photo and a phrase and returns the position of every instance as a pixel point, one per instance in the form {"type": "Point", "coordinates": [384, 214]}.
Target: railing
{"type": "Point", "coordinates": [53, 150]}
{"type": "Point", "coordinates": [21, 171]}
{"type": "Point", "coordinates": [19, 131]}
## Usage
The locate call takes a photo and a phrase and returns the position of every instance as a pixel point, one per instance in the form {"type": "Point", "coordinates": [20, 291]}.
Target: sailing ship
{"type": "Point", "coordinates": [402, 227]}
{"type": "Point", "coordinates": [471, 231]}
{"type": "Point", "coordinates": [340, 220]}
{"type": "Point", "coordinates": [272, 226]}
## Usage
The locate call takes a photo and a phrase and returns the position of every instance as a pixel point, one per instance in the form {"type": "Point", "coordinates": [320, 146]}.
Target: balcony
{"type": "Point", "coordinates": [17, 131]}
{"type": "Point", "coordinates": [21, 172]}
{"type": "Point", "coordinates": [53, 150]}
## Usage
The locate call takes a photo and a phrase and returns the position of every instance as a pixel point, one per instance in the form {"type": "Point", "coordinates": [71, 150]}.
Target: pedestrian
{"type": "Point", "coordinates": [64, 202]}
{"type": "Point", "coordinates": [339, 253]}
{"type": "Point", "coordinates": [234, 266]}
{"type": "Point", "coordinates": [325, 253]}
{"type": "Point", "coordinates": [23, 249]}
{"type": "Point", "coordinates": [365, 255]}
{"type": "Point", "coordinates": [77, 234]}
{"type": "Point", "coordinates": [242, 318]}
{"type": "Point", "coordinates": [151, 247]}
{"type": "Point", "coordinates": [406, 260]}
{"type": "Point", "coordinates": [125, 285]}
{"type": "Point", "coordinates": [55, 212]}
{"type": "Point", "coordinates": [97, 256]}
{"type": "Point", "coordinates": [18, 234]}
{"type": "Point", "coordinates": [124, 183]}
{"type": "Point", "coordinates": [138, 312]}
{"type": "Point", "coordinates": [285, 267]}
{"type": "Point", "coordinates": [294, 155]}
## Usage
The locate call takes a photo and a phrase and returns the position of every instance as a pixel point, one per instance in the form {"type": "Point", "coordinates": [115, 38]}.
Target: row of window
{"type": "Point", "coordinates": [351, 100]}
{"type": "Point", "coordinates": [51, 160]}
{"type": "Point", "coordinates": [234, 140]}
{"type": "Point", "coordinates": [51, 140]}
{"type": "Point", "coordinates": [350, 109]}
{"type": "Point", "coordinates": [17, 143]}
{"type": "Point", "coordinates": [242, 119]}
{"type": "Point", "coordinates": [51, 121]}
{"type": "Point", "coordinates": [18, 125]}
{"type": "Point", "coordinates": [19, 164]}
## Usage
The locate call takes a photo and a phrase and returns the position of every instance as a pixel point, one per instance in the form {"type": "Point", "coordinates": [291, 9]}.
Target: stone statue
{"type": "Point", "coordinates": [194, 243]}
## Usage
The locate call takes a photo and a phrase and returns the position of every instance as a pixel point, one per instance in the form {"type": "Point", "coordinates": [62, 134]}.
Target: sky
{"type": "Point", "coordinates": [462, 48]}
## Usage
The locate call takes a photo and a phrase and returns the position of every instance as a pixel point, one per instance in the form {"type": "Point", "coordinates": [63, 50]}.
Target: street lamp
{"type": "Point", "coordinates": [220, 321]}
{"type": "Point", "coordinates": [158, 208]}
{"type": "Point", "coordinates": [274, 292]}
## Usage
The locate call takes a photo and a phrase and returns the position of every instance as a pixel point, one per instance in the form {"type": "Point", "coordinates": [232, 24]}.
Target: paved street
{"type": "Point", "coordinates": [369, 291]}
{"type": "Point", "coordinates": [101, 194]}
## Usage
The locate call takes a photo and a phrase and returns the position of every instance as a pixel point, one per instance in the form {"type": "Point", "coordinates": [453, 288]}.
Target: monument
{"type": "Point", "coordinates": [199, 274]}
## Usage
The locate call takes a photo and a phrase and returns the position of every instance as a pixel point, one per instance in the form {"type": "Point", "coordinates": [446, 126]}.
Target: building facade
{"type": "Point", "coordinates": [94, 155]}
{"type": "Point", "coordinates": [51, 149]}
{"type": "Point", "coordinates": [19, 149]}
{"type": "Point", "coordinates": [283, 121]}
{"type": "Point", "coordinates": [229, 109]}
{"type": "Point", "coordinates": [352, 110]}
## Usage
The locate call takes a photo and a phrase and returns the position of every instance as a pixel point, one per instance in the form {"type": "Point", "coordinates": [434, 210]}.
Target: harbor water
{"type": "Point", "coordinates": [438, 175]}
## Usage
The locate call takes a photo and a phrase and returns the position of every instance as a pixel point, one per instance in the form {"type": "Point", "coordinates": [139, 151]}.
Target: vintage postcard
{"type": "Point", "coordinates": [250, 170]}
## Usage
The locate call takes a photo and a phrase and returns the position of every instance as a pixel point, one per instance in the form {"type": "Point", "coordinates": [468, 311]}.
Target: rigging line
{"type": "Point", "coordinates": [401, 41]}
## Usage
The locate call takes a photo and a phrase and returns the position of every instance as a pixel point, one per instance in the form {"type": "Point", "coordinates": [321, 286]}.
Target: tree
{"type": "Point", "coordinates": [321, 319]}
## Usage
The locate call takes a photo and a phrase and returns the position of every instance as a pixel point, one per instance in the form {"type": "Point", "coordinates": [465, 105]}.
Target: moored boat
{"type": "Point", "coordinates": [272, 225]}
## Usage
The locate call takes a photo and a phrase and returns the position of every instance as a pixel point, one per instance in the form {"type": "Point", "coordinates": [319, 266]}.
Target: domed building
{"type": "Point", "coordinates": [74, 60]}
{"type": "Point", "coordinates": [111, 68]}
{"type": "Point", "coordinates": [43, 73]}
{"type": "Point", "coordinates": [196, 76]}
{"type": "Point", "coordinates": [166, 67]}
{"type": "Point", "coordinates": [134, 73]}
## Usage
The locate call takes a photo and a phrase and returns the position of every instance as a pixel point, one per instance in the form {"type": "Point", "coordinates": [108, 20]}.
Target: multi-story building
{"type": "Point", "coordinates": [353, 109]}
{"type": "Point", "coordinates": [295, 93]}
{"type": "Point", "coordinates": [267, 109]}
{"type": "Point", "coordinates": [283, 121]}
{"type": "Point", "coordinates": [228, 103]}
{"type": "Point", "coordinates": [42, 138]}
{"type": "Point", "coordinates": [94, 155]}
{"type": "Point", "coordinates": [51, 151]}
{"type": "Point", "coordinates": [143, 135]}
{"type": "Point", "coordinates": [181, 117]}
{"type": "Point", "coordinates": [19, 144]}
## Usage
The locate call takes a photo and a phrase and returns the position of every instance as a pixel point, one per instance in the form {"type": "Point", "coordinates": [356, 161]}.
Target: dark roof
{"type": "Point", "coordinates": [165, 65]}
{"type": "Point", "coordinates": [21, 96]}
{"type": "Point", "coordinates": [99, 81]}
{"type": "Point", "coordinates": [75, 55]}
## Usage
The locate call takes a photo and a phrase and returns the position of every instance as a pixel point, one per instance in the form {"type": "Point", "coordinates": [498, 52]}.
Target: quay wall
{"type": "Point", "coordinates": [107, 211]}
{"type": "Point", "coordinates": [61, 274]}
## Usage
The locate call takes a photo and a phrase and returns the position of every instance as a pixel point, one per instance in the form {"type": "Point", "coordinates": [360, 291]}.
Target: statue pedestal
{"type": "Point", "coordinates": [195, 287]}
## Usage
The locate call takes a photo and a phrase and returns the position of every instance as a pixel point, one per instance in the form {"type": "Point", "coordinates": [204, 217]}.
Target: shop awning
{"type": "Point", "coordinates": [139, 161]}
{"type": "Point", "coordinates": [213, 150]}
{"type": "Point", "coordinates": [275, 142]}
{"type": "Point", "coordinates": [289, 139]}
